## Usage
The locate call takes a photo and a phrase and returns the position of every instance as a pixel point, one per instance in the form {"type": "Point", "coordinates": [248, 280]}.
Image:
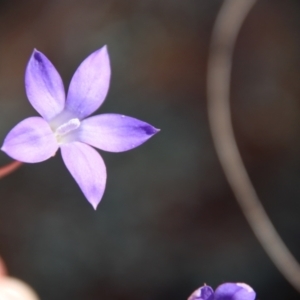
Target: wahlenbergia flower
{"type": "Point", "coordinates": [64, 123]}
{"type": "Point", "coordinates": [226, 291]}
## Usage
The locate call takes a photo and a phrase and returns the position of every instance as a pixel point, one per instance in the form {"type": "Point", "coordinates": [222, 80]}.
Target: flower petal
{"type": "Point", "coordinates": [31, 141]}
{"type": "Point", "coordinates": [114, 133]}
{"type": "Point", "coordinates": [234, 291]}
{"type": "Point", "coordinates": [88, 169]}
{"type": "Point", "coordinates": [89, 85]}
{"type": "Point", "coordinates": [203, 293]}
{"type": "Point", "coordinates": [44, 87]}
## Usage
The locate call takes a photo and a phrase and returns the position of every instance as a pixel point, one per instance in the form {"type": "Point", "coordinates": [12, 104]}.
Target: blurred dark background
{"type": "Point", "coordinates": [168, 221]}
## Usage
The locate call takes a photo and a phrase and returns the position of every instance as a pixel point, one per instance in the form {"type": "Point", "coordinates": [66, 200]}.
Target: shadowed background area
{"type": "Point", "coordinates": [168, 221]}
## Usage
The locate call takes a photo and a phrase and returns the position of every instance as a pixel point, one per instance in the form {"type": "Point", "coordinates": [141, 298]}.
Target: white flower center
{"type": "Point", "coordinates": [67, 127]}
{"type": "Point", "coordinates": [63, 132]}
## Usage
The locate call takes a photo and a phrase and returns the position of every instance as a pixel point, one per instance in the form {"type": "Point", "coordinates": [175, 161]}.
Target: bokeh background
{"type": "Point", "coordinates": [168, 221]}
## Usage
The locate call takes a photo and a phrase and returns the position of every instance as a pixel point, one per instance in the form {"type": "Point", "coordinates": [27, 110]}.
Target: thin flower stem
{"type": "Point", "coordinates": [4, 171]}
{"type": "Point", "coordinates": [224, 35]}
{"type": "Point", "coordinates": [9, 168]}
{"type": "Point", "coordinates": [3, 271]}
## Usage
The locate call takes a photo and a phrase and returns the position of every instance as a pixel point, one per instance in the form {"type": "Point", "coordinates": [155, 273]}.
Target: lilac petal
{"type": "Point", "coordinates": [44, 87]}
{"type": "Point", "coordinates": [114, 133]}
{"type": "Point", "coordinates": [89, 85]}
{"type": "Point", "coordinates": [203, 293]}
{"type": "Point", "coordinates": [88, 169]}
{"type": "Point", "coordinates": [234, 291]}
{"type": "Point", "coordinates": [30, 141]}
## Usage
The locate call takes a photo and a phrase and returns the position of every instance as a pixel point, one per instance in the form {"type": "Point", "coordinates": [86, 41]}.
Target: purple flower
{"type": "Point", "coordinates": [64, 123]}
{"type": "Point", "coordinates": [226, 291]}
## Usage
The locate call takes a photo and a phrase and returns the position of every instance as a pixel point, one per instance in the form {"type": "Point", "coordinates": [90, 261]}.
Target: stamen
{"type": "Point", "coordinates": [67, 127]}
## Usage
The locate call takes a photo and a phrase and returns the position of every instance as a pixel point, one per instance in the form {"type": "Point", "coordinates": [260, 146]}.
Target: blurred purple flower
{"type": "Point", "coordinates": [64, 124]}
{"type": "Point", "coordinates": [226, 291]}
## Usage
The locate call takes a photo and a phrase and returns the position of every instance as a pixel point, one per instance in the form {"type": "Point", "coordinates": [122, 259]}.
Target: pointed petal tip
{"type": "Point", "coordinates": [104, 49]}
{"type": "Point", "coordinates": [94, 201]}
{"type": "Point", "coordinates": [3, 148]}
{"type": "Point", "coordinates": [101, 51]}
{"type": "Point", "coordinates": [157, 130]}
{"type": "Point", "coordinates": [37, 55]}
{"type": "Point", "coordinates": [94, 205]}
{"type": "Point", "coordinates": [150, 130]}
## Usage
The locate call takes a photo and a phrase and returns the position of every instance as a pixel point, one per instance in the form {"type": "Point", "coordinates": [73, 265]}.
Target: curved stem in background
{"type": "Point", "coordinates": [9, 168]}
{"type": "Point", "coordinates": [225, 32]}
